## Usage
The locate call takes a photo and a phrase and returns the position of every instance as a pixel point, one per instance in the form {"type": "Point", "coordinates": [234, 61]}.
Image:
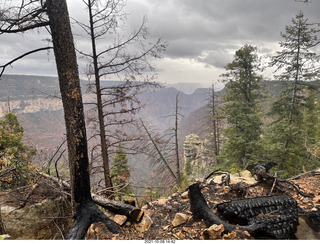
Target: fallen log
{"type": "Point", "coordinates": [262, 173]}
{"type": "Point", "coordinates": [128, 210]}
{"type": "Point", "coordinates": [200, 210]}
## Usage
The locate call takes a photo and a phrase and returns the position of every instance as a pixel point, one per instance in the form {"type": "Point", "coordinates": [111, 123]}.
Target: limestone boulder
{"type": "Point", "coordinates": [49, 219]}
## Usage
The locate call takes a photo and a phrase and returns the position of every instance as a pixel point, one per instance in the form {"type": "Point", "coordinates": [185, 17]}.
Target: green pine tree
{"type": "Point", "coordinates": [241, 109]}
{"type": "Point", "coordinates": [291, 111]}
{"type": "Point", "coordinates": [15, 166]}
{"type": "Point", "coordinates": [120, 174]}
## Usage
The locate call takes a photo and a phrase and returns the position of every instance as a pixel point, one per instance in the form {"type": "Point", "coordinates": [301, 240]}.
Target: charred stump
{"type": "Point", "coordinates": [200, 210]}
{"type": "Point", "coordinates": [88, 213]}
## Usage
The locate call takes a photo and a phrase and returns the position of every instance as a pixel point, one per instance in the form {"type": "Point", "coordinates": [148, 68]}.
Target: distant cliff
{"type": "Point", "coordinates": [35, 99]}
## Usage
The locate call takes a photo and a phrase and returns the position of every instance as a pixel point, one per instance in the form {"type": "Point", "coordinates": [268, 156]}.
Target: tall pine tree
{"type": "Point", "coordinates": [298, 66]}
{"type": "Point", "coordinates": [241, 109]}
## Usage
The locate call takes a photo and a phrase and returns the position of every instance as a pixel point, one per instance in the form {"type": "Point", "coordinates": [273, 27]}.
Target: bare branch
{"type": "Point", "coordinates": [3, 67]}
{"type": "Point", "coordinates": [158, 150]}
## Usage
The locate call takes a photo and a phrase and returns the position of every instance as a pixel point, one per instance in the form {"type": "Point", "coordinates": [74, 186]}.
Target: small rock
{"type": "Point", "coordinates": [120, 219]}
{"type": "Point", "coordinates": [179, 219]}
{"type": "Point", "coordinates": [168, 207]}
{"type": "Point", "coordinates": [211, 182]}
{"type": "Point", "coordinates": [175, 194]}
{"type": "Point", "coordinates": [175, 203]}
{"type": "Point", "coordinates": [144, 224]}
{"type": "Point", "coordinates": [185, 194]}
{"type": "Point", "coordinates": [231, 236]}
{"type": "Point", "coordinates": [179, 235]}
{"type": "Point", "coordinates": [305, 200]}
{"type": "Point", "coordinates": [213, 232]}
{"type": "Point", "coordinates": [115, 237]}
{"type": "Point", "coordinates": [226, 189]}
{"type": "Point", "coordinates": [205, 190]}
{"type": "Point", "coordinates": [162, 201]}
{"type": "Point", "coordinates": [149, 212]}
{"type": "Point", "coordinates": [167, 227]}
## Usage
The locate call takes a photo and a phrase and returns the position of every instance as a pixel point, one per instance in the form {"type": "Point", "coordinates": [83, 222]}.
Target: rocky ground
{"type": "Point", "coordinates": [170, 218]}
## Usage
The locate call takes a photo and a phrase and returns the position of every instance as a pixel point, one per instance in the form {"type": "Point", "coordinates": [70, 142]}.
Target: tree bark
{"type": "Point", "coordinates": [69, 81]}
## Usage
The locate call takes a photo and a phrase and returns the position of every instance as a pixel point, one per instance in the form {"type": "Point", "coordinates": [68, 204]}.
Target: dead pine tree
{"type": "Point", "coordinates": [112, 55]}
{"type": "Point", "coordinates": [163, 150]}
{"type": "Point", "coordinates": [214, 123]}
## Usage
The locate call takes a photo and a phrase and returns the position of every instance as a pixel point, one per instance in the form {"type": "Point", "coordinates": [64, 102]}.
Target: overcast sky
{"type": "Point", "coordinates": [202, 35]}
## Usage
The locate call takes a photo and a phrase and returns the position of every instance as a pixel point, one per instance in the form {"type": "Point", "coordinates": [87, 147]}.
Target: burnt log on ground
{"type": "Point", "coordinates": [275, 217]}
{"type": "Point", "coordinates": [128, 210]}
{"type": "Point", "coordinates": [200, 210]}
{"type": "Point", "coordinates": [279, 214]}
{"type": "Point", "coordinates": [263, 175]}
{"type": "Point", "coordinates": [239, 211]}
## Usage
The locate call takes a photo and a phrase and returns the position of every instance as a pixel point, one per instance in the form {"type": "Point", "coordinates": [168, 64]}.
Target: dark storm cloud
{"type": "Point", "coordinates": [211, 31]}
{"type": "Point", "coordinates": [205, 32]}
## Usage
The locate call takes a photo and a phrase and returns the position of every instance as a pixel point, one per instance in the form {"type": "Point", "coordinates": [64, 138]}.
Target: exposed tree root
{"type": "Point", "coordinates": [87, 214]}
{"type": "Point", "coordinates": [263, 174]}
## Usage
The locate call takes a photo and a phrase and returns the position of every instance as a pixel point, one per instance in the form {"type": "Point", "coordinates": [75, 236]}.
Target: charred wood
{"type": "Point", "coordinates": [88, 213]}
{"type": "Point", "coordinates": [277, 215]}
{"type": "Point", "coordinates": [239, 211]}
{"type": "Point", "coordinates": [200, 210]}
{"type": "Point", "coordinates": [263, 175]}
{"type": "Point", "coordinates": [128, 210]}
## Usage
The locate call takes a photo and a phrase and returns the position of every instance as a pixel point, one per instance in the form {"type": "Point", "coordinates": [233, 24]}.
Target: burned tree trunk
{"type": "Point", "coordinates": [88, 213]}
{"type": "Point", "coordinates": [69, 82]}
{"type": "Point", "coordinates": [86, 210]}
